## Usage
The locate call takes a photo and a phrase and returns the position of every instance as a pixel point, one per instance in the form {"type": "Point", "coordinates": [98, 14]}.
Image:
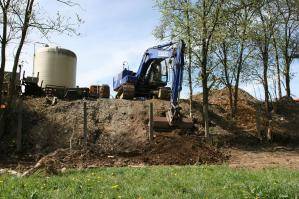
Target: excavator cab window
{"type": "Point", "coordinates": [164, 72]}
{"type": "Point", "coordinates": [157, 73]}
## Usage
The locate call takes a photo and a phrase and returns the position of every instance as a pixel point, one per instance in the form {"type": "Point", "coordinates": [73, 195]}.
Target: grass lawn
{"type": "Point", "coordinates": [156, 182]}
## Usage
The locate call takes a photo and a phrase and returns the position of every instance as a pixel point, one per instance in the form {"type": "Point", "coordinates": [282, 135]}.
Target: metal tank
{"type": "Point", "coordinates": [55, 66]}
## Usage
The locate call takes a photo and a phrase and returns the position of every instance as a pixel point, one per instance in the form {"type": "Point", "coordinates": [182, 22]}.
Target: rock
{"type": "Point", "coordinates": [63, 170]}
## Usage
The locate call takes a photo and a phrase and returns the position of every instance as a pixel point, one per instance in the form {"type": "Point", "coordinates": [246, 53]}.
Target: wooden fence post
{"type": "Point", "coordinates": [20, 124]}
{"type": "Point", "coordinates": [85, 122]}
{"type": "Point", "coordinates": [150, 123]}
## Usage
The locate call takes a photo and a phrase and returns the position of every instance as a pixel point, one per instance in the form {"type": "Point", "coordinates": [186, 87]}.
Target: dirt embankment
{"type": "Point", "coordinates": [117, 135]}
{"type": "Point", "coordinates": [242, 131]}
{"type": "Point", "coordinates": [117, 132]}
{"type": "Point", "coordinates": [113, 125]}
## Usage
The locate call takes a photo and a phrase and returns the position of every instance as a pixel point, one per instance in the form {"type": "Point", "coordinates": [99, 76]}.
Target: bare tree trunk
{"type": "Point", "coordinates": [277, 68]}
{"type": "Point", "coordinates": [227, 79]}
{"type": "Point", "coordinates": [204, 72]}
{"type": "Point", "coordinates": [287, 69]}
{"type": "Point", "coordinates": [265, 79]}
{"type": "Point", "coordinates": [28, 14]}
{"type": "Point", "coordinates": [190, 85]}
{"type": "Point", "coordinates": [239, 70]}
{"type": "Point", "coordinates": [288, 29]}
{"type": "Point", "coordinates": [205, 90]}
{"type": "Point", "coordinates": [206, 107]}
{"type": "Point", "coordinates": [236, 90]}
{"type": "Point", "coordinates": [189, 60]}
{"type": "Point", "coordinates": [287, 79]}
{"type": "Point", "coordinates": [4, 8]}
{"type": "Point", "coordinates": [266, 89]}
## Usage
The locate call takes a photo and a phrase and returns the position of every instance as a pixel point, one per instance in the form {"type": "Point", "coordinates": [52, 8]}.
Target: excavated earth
{"type": "Point", "coordinates": [118, 134]}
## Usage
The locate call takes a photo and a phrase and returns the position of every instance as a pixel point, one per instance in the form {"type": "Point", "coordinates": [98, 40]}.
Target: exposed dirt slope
{"type": "Point", "coordinates": [116, 129]}
{"type": "Point", "coordinates": [243, 130]}
{"type": "Point", "coordinates": [117, 132]}
{"type": "Point", "coordinates": [115, 125]}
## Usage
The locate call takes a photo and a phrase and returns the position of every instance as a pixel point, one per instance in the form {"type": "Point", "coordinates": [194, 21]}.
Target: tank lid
{"type": "Point", "coordinates": [56, 50]}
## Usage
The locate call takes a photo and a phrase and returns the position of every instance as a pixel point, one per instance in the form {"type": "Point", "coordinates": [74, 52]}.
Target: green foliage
{"type": "Point", "coordinates": [247, 27]}
{"type": "Point", "coordinates": [156, 182]}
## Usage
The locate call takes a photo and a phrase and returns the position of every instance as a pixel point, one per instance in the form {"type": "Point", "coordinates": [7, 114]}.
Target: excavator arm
{"type": "Point", "coordinates": [136, 84]}
{"type": "Point", "coordinates": [173, 115]}
{"type": "Point", "coordinates": [174, 51]}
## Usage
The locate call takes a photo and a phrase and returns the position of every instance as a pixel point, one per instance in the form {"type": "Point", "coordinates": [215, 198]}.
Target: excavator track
{"type": "Point", "coordinates": [127, 91]}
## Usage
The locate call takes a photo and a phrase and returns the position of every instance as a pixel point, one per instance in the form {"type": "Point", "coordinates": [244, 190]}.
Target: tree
{"type": "Point", "coordinates": [288, 25]}
{"type": "Point", "coordinates": [27, 15]}
{"type": "Point", "coordinates": [25, 18]}
{"type": "Point", "coordinates": [277, 63]}
{"type": "Point", "coordinates": [207, 23]}
{"type": "Point", "coordinates": [233, 48]}
{"type": "Point", "coordinates": [18, 19]}
{"type": "Point", "coordinates": [243, 51]}
{"type": "Point", "coordinates": [176, 23]}
{"type": "Point", "coordinates": [262, 38]}
{"type": "Point", "coordinates": [5, 5]}
{"type": "Point", "coordinates": [189, 51]}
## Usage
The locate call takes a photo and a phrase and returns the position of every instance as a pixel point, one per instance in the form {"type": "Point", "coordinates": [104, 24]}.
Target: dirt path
{"type": "Point", "coordinates": [280, 157]}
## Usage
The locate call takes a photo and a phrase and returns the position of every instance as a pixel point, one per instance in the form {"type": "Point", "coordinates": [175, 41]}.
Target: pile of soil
{"type": "Point", "coordinates": [166, 149]}
{"type": "Point", "coordinates": [114, 125]}
{"type": "Point", "coordinates": [242, 131]}
{"type": "Point", "coordinates": [247, 105]}
{"type": "Point", "coordinates": [117, 132]}
{"type": "Point", "coordinates": [117, 135]}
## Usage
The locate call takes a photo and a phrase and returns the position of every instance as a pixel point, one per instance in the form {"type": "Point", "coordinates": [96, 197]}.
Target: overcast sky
{"type": "Point", "coordinates": [114, 31]}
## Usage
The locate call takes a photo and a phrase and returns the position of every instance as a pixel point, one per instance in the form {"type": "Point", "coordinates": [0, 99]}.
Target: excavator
{"type": "Point", "coordinates": [151, 79]}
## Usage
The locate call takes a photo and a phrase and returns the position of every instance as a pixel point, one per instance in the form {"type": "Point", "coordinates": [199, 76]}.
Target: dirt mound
{"type": "Point", "coordinates": [221, 97]}
{"type": "Point", "coordinates": [245, 119]}
{"type": "Point", "coordinates": [242, 131]}
{"type": "Point", "coordinates": [115, 125]}
{"type": "Point", "coordinates": [166, 149]}
{"type": "Point", "coordinates": [286, 100]}
{"type": "Point", "coordinates": [172, 148]}
{"type": "Point", "coordinates": [117, 135]}
{"type": "Point", "coordinates": [117, 132]}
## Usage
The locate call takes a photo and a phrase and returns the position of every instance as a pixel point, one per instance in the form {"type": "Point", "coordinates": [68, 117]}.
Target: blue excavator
{"type": "Point", "coordinates": [151, 79]}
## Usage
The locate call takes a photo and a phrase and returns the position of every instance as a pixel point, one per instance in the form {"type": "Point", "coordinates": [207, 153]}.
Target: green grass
{"type": "Point", "coordinates": [156, 182]}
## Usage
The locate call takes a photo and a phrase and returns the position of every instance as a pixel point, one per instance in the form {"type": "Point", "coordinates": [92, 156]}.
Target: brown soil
{"type": "Point", "coordinates": [167, 149]}
{"type": "Point", "coordinates": [117, 135]}
{"type": "Point", "coordinates": [277, 157]}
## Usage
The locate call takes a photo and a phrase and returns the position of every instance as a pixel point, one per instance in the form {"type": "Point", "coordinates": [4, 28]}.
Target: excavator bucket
{"type": "Point", "coordinates": [162, 123]}
{"type": "Point", "coordinates": [159, 123]}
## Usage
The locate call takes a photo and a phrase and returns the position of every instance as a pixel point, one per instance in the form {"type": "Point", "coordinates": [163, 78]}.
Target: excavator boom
{"type": "Point", "coordinates": [129, 84]}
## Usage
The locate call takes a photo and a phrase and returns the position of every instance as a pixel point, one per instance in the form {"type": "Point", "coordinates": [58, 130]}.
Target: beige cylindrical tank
{"type": "Point", "coordinates": [56, 66]}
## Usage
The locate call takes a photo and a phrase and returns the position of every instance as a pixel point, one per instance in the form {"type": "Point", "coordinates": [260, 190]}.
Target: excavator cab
{"type": "Point", "coordinates": [151, 79]}
{"type": "Point", "coordinates": [157, 74]}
